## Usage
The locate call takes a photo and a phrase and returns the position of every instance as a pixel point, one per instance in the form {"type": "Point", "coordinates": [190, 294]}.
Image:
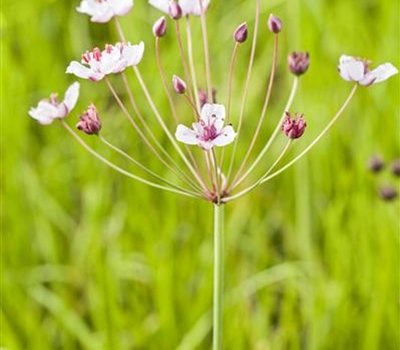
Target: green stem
{"type": "Point", "coordinates": [218, 275]}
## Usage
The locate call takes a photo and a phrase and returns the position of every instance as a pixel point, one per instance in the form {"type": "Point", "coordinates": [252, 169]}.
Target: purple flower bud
{"type": "Point", "coordinates": [175, 11]}
{"type": "Point", "coordinates": [274, 24]}
{"type": "Point", "coordinates": [178, 84]}
{"type": "Point", "coordinates": [240, 34]}
{"type": "Point", "coordinates": [298, 62]}
{"type": "Point", "coordinates": [396, 167]}
{"type": "Point", "coordinates": [375, 164]}
{"type": "Point", "coordinates": [160, 27]}
{"type": "Point", "coordinates": [388, 193]}
{"type": "Point", "coordinates": [90, 122]}
{"type": "Point", "coordinates": [294, 127]}
{"type": "Point", "coordinates": [203, 97]}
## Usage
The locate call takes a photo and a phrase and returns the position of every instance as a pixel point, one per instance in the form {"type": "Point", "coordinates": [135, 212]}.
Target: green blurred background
{"type": "Point", "coordinates": [93, 260]}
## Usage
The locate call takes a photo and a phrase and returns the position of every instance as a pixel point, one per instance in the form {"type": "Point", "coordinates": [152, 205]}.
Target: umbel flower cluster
{"type": "Point", "coordinates": [209, 167]}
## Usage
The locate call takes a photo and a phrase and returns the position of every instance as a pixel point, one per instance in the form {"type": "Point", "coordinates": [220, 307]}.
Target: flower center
{"type": "Point", "coordinates": [54, 100]}
{"type": "Point", "coordinates": [209, 133]}
{"type": "Point", "coordinates": [93, 55]}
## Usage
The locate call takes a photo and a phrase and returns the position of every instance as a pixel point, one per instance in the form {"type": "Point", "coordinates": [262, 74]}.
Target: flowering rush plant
{"type": "Point", "coordinates": [207, 136]}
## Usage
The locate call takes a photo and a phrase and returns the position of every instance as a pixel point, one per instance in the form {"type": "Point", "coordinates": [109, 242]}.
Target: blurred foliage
{"type": "Point", "coordinates": [91, 260]}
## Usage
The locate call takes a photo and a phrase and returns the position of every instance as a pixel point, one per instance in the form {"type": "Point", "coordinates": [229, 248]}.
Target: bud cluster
{"type": "Point", "coordinates": [376, 164]}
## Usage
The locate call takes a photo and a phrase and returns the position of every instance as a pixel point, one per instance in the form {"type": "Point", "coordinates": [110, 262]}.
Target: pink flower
{"type": "Point", "coordinates": [114, 59]}
{"type": "Point", "coordinates": [189, 7]}
{"type": "Point", "coordinates": [102, 11]}
{"type": "Point", "coordinates": [294, 127]}
{"type": "Point", "coordinates": [50, 109]}
{"type": "Point", "coordinates": [89, 121]}
{"type": "Point", "coordinates": [355, 69]}
{"type": "Point", "coordinates": [209, 131]}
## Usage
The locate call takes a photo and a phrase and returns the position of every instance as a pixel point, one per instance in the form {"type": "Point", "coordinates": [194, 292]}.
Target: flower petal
{"type": "Point", "coordinates": [104, 16]}
{"type": "Point", "coordinates": [110, 62]}
{"type": "Point", "coordinates": [352, 70]}
{"type": "Point", "coordinates": [186, 135]}
{"type": "Point", "coordinates": [226, 137]}
{"type": "Point", "coordinates": [121, 7]}
{"type": "Point", "coordinates": [100, 12]}
{"type": "Point", "coordinates": [87, 7]}
{"type": "Point", "coordinates": [162, 5]}
{"type": "Point", "coordinates": [83, 72]}
{"type": "Point", "coordinates": [206, 145]}
{"type": "Point", "coordinates": [44, 113]}
{"type": "Point", "coordinates": [213, 113]}
{"type": "Point", "coordinates": [193, 7]}
{"type": "Point", "coordinates": [379, 74]}
{"type": "Point", "coordinates": [132, 54]}
{"type": "Point", "coordinates": [71, 96]}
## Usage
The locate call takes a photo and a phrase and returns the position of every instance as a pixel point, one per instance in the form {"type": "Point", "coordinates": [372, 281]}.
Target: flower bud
{"type": "Point", "coordinates": [160, 27]}
{"type": "Point", "coordinates": [203, 97]}
{"type": "Point", "coordinates": [90, 122]}
{"type": "Point", "coordinates": [274, 24]}
{"type": "Point", "coordinates": [375, 164]}
{"type": "Point", "coordinates": [178, 84]}
{"type": "Point", "coordinates": [240, 34]}
{"type": "Point", "coordinates": [298, 62]}
{"type": "Point", "coordinates": [175, 11]}
{"type": "Point", "coordinates": [396, 167]}
{"type": "Point", "coordinates": [294, 127]}
{"type": "Point", "coordinates": [388, 193]}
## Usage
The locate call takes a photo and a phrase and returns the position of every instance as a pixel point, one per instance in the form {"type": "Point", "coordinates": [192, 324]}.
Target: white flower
{"type": "Point", "coordinates": [114, 59]}
{"type": "Point", "coordinates": [189, 7]}
{"type": "Point", "coordinates": [102, 11]}
{"type": "Point", "coordinates": [354, 69]}
{"type": "Point", "coordinates": [209, 131]}
{"type": "Point", "coordinates": [50, 109]}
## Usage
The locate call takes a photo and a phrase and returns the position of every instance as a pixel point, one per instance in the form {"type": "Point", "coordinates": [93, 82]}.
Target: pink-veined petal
{"type": "Point", "coordinates": [226, 137]}
{"type": "Point", "coordinates": [379, 74]}
{"type": "Point", "coordinates": [186, 135]}
{"type": "Point", "coordinates": [71, 96]}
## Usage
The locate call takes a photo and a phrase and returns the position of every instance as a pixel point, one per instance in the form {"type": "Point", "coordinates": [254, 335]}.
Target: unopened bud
{"type": "Point", "coordinates": [160, 27]}
{"type": "Point", "coordinates": [90, 122]}
{"type": "Point", "coordinates": [375, 164]}
{"type": "Point", "coordinates": [294, 127]}
{"type": "Point", "coordinates": [388, 193]}
{"type": "Point", "coordinates": [240, 34]}
{"type": "Point", "coordinates": [396, 167]}
{"type": "Point", "coordinates": [175, 11]}
{"type": "Point", "coordinates": [178, 84]}
{"type": "Point", "coordinates": [298, 62]}
{"type": "Point", "coordinates": [203, 97]}
{"type": "Point", "coordinates": [274, 24]}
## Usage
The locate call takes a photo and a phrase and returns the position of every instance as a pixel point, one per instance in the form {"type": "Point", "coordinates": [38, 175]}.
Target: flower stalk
{"type": "Point", "coordinates": [218, 289]}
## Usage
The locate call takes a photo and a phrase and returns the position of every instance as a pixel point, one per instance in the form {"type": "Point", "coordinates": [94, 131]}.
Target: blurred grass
{"type": "Point", "coordinates": [95, 261]}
